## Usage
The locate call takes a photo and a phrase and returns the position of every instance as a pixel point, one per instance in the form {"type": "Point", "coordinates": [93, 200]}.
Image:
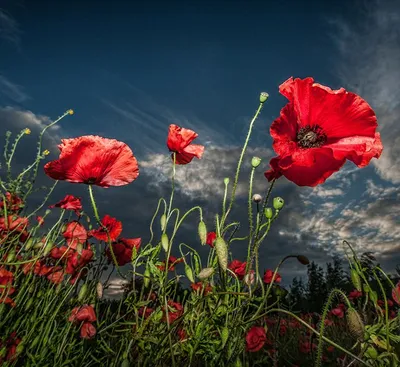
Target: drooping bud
{"type": "Point", "coordinates": [164, 242]}
{"type": "Point", "coordinates": [205, 273]}
{"type": "Point", "coordinates": [189, 273]}
{"type": "Point", "coordinates": [257, 198]}
{"type": "Point", "coordinates": [255, 162]}
{"type": "Point", "coordinates": [263, 97]}
{"type": "Point", "coordinates": [268, 213]}
{"type": "Point", "coordinates": [224, 336]}
{"type": "Point", "coordinates": [356, 280]}
{"type": "Point", "coordinates": [356, 325]}
{"type": "Point", "coordinates": [82, 292]}
{"type": "Point", "coordinates": [303, 259]}
{"type": "Point", "coordinates": [278, 203]}
{"type": "Point", "coordinates": [99, 290]}
{"type": "Point", "coordinates": [222, 252]}
{"type": "Point", "coordinates": [202, 230]}
{"type": "Point", "coordinates": [163, 222]}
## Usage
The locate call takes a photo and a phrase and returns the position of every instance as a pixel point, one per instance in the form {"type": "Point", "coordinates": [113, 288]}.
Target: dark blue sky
{"type": "Point", "coordinates": [131, 68]}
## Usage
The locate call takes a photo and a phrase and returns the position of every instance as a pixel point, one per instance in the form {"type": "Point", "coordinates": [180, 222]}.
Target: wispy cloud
{"type": "Point", "coordinates": [12, 91]}
{"type": "Point", "coordinates": [9, 28]}
{"type": "Point", "coordinates": [370, 59]}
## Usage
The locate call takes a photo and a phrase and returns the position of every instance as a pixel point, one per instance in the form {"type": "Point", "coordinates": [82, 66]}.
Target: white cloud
{"type": "Point", "coordinates": [12, 91]}
{"type": "Point", "coordinates": [9, 28]}
{"type": "Point", "coordinates": [370, 67]}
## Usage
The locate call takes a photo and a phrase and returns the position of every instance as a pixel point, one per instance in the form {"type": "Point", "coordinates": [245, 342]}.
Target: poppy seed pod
{"type": "Point", "coordinates": [205, 273]}
{"type": "Point", "coordinates": [263, 97]}
{"type": "Point", "coordinates": [268, 213]}
{"type": "Point", "coordinates": [303, 259]}
{"type": "Point", "coordinates": [255, 162]}
{"type": "Point", "coordinates": [257, 198]}
{"type": "Point", "coordinates": [278, 203]}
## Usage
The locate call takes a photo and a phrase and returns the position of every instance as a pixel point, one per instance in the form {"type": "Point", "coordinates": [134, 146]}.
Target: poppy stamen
{"type": "Point", "coordinates": [311, 137]}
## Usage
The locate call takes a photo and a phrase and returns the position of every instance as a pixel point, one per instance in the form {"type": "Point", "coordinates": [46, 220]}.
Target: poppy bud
{"type": "Point", "coordinates": [20, 348]}
{"type": "Point", "coordinates": [374, 296]}
{"type": "Point", "coordinates": [163, 222]}
{"type": "Point", "coordinates": [99, 290]}
{"type": "Point", "coordinates": [263, 97]}
{"type": "Point", "coordinates": [224, 336]}
{"type": "Point", "coordinates": [222, 252]}
{"type": "Point", "coordinates": [82, 292]}
{"type": "Point", "coordinates": [164, 242]}
{"type": "Point", "coordinates": [356, 326]}
{"type": "Point", "coordinates": [257, 198]}
{"type": "Point", "coordinates": [146, 277]}
{"type": "Point", "coordinates": [356, 280]}
{"type": "Point", "coordinates": [28, 304]}
{"type": "Point", "coordinates": [29, 244]}
{"type": "Point", "coordinates": [125, 363]}
{"type": "Point", "coordinates": [303, 259]}
{"type": "Point", "coordinates": [79, 248]}
{"type": "Point", "coordinates": [197, 265]}
{"type": "Point", "coordinates": [205, 273]}
{"type": "Point", "coordinates": [48, 248]}
{"type": "Point", "coordinates": [226, 180]}
{"type": "Point", "coordinates": [11, 256]}
{"type": "Point", "coordinates": [268, 213]}
{"type": "Point", "coordinates": [189, 273]}
{"type": "Point", "coordinates": [278, 203]}
{"type": "Point", "coordinates": [3, 352]}
{"type": "Point", "coordinates": [202, 230]}
{"type": "Point", "coordinates": [47, 212]}
{"type": "Point", "coordinates": [255, 162]}
{"type": "Point", "coordinates": [371, 353]}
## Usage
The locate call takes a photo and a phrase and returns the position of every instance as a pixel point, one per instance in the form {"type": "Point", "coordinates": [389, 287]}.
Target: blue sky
{"type": "Point", "coordinates": [131, 68]}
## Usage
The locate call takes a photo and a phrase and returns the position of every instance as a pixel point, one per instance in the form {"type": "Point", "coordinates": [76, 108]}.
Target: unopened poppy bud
{"type": "Point", "coordinates": [263, 97]}
{"type": "Point", "coordinates": [356, 325]}
{"type": "Point", "coordinates": [222, 252]}
{"type": "Point", "coordinates": [249, 278]}
{"type": "Point", "coordinates": [224, 336]}
{"type": "Point", "coordinates": [356, 280]}
{"type": "Point", "coordinates": [202, 230]}
{"type": "Point", "coordinates": [11, 256]}
{"type": "Point", "coordinates": [29, 244]}
{"type": "Point", "coordinates": [79, 248]}
{"type": "Point", "coordinates": [125, 363]}
{"type": "Point", "coordinates": [268, 213]}
{"type": "Point", "coordinates": [99, 290]}
{"type": "Point", "coordinates": [27, 131]}
{"type": "Point", "coordinates": [226, 180]}
{"type": "Point", "coordinates": [20, 348]}
{"type": "Point", "coordinates": [164, 242]}
{"type": "Point", "coordinates": [278, 203]}
{"type": "Point", "coordinates": [47, 212]}
{"type": "Point", "coordinates": [371, 353]}
{"type": "Point", "coordinates": [205, 273]}
{"type": "Point", "coordinates": [163, 222]}
{"type": "Point", "coordinates": [146, 277]}
{"type": "Point", "coordinates": [48, 248]}
{"type": "Point", "coordinates": [82, 292]}
{"type": "Point", "coordinates": [303, 259]}
{"type": "Point", "coordinates": [257, 198]}
{"type": "Point", "coordinates": [189, 273]}
{"type": "Point", "coordinates": [3, 352]}
{"type": "Point", "coordinates": [255, 162]}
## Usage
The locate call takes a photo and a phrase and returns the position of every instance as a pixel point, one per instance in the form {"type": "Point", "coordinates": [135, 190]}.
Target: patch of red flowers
{"type": "Point", "coordinates": [75, 233]}
{"type": "Point", "coordinates": [201, 288]}
{"type": "Point", "coordinates": [269, 275]}
{"type": "Point", "coordinates": [113, 226]}
{"type": "Point", "coordinates": [318, 130]}
{"type": "Point", "coordinates": [94, 160]}
{"type": "Point", "coordinates": [13, 203]}
{"type": "Point", "coordinates": [172, 261]}
{"type": "Point", "coordinates": [86, 315]}
{"type": "Point", "coordinates": [6, 279]}
{"type": "Point", "coordinates": [238, 267]}
{"type": "Point", "coordinates": [255, 338]}
{"type": "Point", "coordinates": [179, 141]}
{"type": "Point", "coordinates": [175, 310]}
{"type": "Point", "coordinates": [10, 346]}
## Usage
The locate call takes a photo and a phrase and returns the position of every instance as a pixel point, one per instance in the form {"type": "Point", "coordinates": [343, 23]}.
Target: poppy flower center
{"type": "Point", "coordinates": [91, 180]}
{"type": "Point", "coordinates": [310, 137]}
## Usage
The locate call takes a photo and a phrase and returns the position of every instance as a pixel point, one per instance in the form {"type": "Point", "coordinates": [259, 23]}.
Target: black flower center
{"type": "Point", "coordinates": [91, 180]}
{"type": "Point", "coordinates": [310, 137]}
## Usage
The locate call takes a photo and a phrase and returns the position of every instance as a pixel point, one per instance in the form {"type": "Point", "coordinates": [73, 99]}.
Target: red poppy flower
{"type": "Point", "coordinates": [88, 331]}
{"type": "Point", "coordinates": [268, 277]}
{"type": "Point", "coordinates": [145, 311]}
{"type": "Point", "coordinates": [14, 224]}
{"type": "Point", "coordinates": [238, 267]}
{"type": "Point", "coordinates": [318, 130]}
{"type": "Point", "coordinates": [85, 313]}
{"type": "Point", "coordinates": [255, 339]}
{"type": "Point", "coordinates": [200, 287]}
{"type": "Point", "coordinates": [113, 226]}
{"type": "Point", "coordinates": [70, 202]}
{"type": "Point", "coordinates": [354, 294]}
{"type": "Point", "coordinates": [13, 202]}
{"type": "Point", "coordinates": [338, 312]}
{"type": "Point", "coordinates": [123, 250]}
{"type": "Point", "coordinates": [75, 233]}
{"type": "Point", "coordinates": [94, 160]}
{"type": "Point", "coordinates": [175, 310]}
{"type": "Point", "coordinates": [77, 261]}
{"type": "Point", "coordinates": [179, 140]}
{"type": "Point", "coordinates": [56, 277]}
{"type": "Point", "coordinates": [211, 237]}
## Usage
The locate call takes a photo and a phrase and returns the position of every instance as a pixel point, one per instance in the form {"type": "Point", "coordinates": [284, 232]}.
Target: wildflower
{"type": "Point", "coordinates": [69, 202]}
{"type": "Point", "coordinates": [113, 226]}
{"type": "Point", "coordinates": [396, 293]}
{"type": "Point", "coordinates": [338, 312]}
{"type": "Point", "coordinates": [354, 294]}
{"type": "Point", "coordinates": [88, 331]}
{"type": "Point", "coordinates": [200, 287]}
{"type": "Point", "coordinates": [175, 310]}
{"type": "Point", "coordinates": [13, 202]}
{"type": "Point", "coordinates": [94, 160]}
{"type": "Point", "coordinates": [238, 267]}
{"type": "Point", "coordinates": [255, 338]}
{"type": "Point", "coordinates": [123, 250]}
{"type": "Point", "coordinates": [84, 313]}
{"type": "Point", "coordinates": [318, 130]}
{"type": "Point", "coordinates": [211, 237]}
{"type": "Point", "coordinates": [179, 141]}
{"type": "Point", "coordinates": [268, 277]}
{"type": "Point", "coordinates": [75, 233]}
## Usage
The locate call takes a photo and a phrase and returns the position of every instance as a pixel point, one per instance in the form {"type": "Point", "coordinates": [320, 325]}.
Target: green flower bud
{"type": "Point", "coordinates": [226, 180]}
{"type": "Point", "coordinates": [48, 248]}
{"type": "Point", "coordinates": [28, 304]}
{"type": "Point", "coordinates": [371, 353]}
{"type": "Point", "coordinates": [268, 213]}
{"type": "Point", "coordinates": [82, 292]}
{"type": "Point", "coordinates": [189, 273]}
{"type": "Point", "coordinates": [263, 97]}
{"type": "Point", "coordinates": [202, 230]}
{"type": "Point", "coordinates": [163, 222]}
{"type": "Point", "coordinates": [224, 336]}
{"type": "Point", "coordinates": [356, 280]}
{"type": "Point", "coordinates": [222, 252]}
{"type": "Point", "coordinates": [255, 162]}
{"type": "Point", "coordinates": [278, 203]}
{"type": "Point", "coordinates": [205, 273]}
{"type": "Point", "coordinates": [99, 290]}
{"type": "Point", "coordinates": [164, 242]}
{"type": "Point", "coordinates": [125, 363]}
{"type": "Point", "coordinates": [20, 348]}
{"type": "Point", "coordinates": [28, 244]}
{"type": "Point", "coordinates": [47, 212]}
{"type": "Point", "coordinates": [146, 277]}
